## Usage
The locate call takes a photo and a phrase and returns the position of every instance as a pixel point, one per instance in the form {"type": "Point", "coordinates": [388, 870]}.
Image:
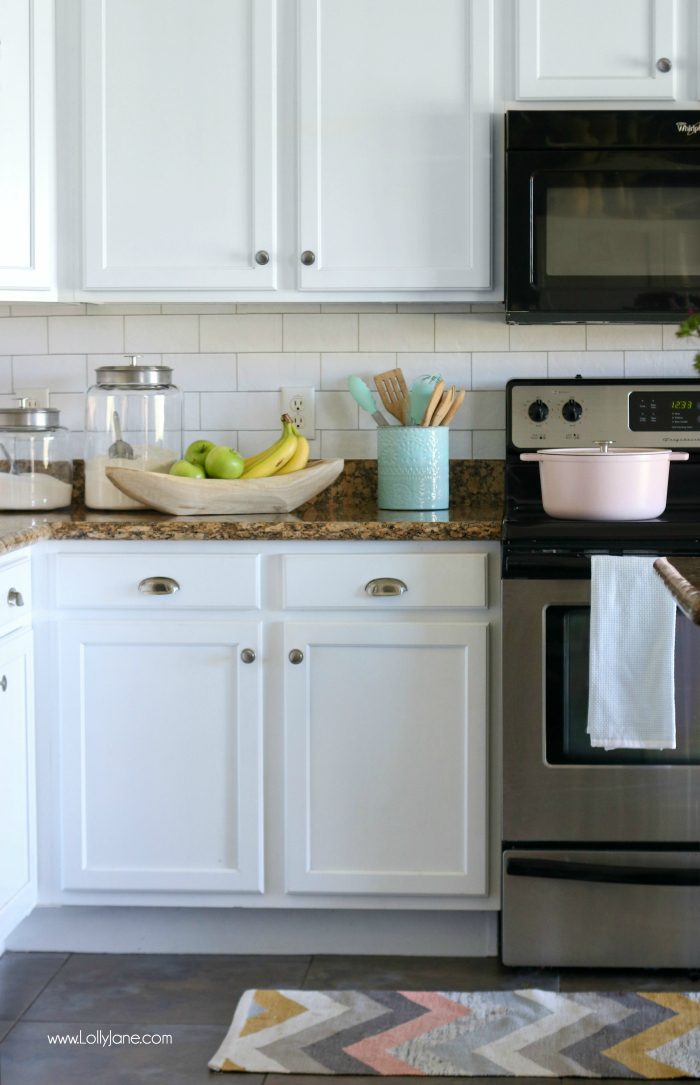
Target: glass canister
{"type": "Point", "coordinates": [36, 466]}
{"type": "Point", "coordinates": [133, 418]}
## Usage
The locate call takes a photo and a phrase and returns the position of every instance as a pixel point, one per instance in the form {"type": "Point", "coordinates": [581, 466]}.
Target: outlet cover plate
{"type": "Point", "coordinates": [300, 403]}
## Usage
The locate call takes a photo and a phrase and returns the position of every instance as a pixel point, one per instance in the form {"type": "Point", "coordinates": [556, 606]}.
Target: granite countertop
{"type": "Point", "coordinates": [347, 510]}
{"type": "Point", "coordinates": [682, 577]}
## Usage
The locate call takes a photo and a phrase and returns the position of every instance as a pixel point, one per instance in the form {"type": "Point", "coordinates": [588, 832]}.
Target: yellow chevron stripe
{"type": "Point", "coordinates": [278, 1008]}
{"type": "Point", "coordinates": [632, 1052]}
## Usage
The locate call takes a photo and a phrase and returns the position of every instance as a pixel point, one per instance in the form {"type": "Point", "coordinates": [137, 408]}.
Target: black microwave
{"type": "Point", "coordinates": [602, 215]}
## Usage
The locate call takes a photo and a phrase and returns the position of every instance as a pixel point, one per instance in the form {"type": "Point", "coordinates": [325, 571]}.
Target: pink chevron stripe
{"type": "Point", "coordinates": [374, 1050]}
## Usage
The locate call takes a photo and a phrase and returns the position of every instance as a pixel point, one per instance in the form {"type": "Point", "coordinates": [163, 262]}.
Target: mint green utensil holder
{"type": "Point", "coordinates": [413, 467]}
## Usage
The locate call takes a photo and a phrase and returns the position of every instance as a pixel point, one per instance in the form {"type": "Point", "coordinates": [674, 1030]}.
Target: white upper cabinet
{"type": "Point", "coordinates": [27, 190]}
{"type": "Point", "coordinates": [179, 144]}
{"type": "Point", "coordinates": [596, 49]}
{"type": "Point", "coordinates": [394, 144]}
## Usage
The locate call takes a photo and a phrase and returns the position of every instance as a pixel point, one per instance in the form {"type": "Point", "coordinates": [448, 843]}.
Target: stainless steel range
{"type": "Point", "coordinates": [601, 849]}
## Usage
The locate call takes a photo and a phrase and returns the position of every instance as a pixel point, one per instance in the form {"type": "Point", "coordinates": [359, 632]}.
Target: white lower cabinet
{"type": "Point", "coordinates": [17, 829]}
{"type": "Point", "coordinates": [161, 754]}
{"type": "Point", "coordinates": [386, 757]}
{"type": "Point", "coordinates": [319, 734]}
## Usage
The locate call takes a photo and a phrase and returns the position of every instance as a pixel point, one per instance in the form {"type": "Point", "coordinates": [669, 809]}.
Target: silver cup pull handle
{"type": "Point", "coordinates": [159, 585]}
{"type": "Point", "coordinates": [15, 598]}
{"type": "Point", "coordinates": [385, 585]}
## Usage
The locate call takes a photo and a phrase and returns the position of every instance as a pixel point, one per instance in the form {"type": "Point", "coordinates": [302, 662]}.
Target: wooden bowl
{"type": "Point", "coordinates": [212, 496]}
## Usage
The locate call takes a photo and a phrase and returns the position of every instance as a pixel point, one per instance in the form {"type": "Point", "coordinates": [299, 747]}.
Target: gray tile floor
{"type": "Point", "coordinates": [192, 998]}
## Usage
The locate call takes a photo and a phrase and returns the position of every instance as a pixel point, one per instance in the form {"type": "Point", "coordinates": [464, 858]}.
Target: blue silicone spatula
{"type": "Point", "coordinates": [362, 394]}
{"type": "Point", "coordinates": [419, 397]}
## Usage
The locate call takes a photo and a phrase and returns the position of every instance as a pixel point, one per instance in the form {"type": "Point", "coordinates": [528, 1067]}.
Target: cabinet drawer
{"type": "Point", "coordinates": [15, 594]}
{"type": "Point", "coordinates": [151, 580]}
{"type": "Point", "coordinates": [318, 581]}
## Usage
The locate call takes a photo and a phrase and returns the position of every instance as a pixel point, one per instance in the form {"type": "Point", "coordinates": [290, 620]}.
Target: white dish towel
{"type": "Point", "coordinates": [631, 702]}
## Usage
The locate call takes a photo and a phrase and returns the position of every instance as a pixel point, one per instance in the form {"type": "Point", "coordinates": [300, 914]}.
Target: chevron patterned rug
{"type": "Point", "coordinates": [528, 1033]}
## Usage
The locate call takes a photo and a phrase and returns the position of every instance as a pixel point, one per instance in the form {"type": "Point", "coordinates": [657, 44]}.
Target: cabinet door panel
{"type": "Point", "coordinates": [386, 769]}
{"type": "Point", "coordinates": [26, 138]}
{"type": "Point", "coordinates": [572, 49]}
{"type": "Point", "coordinates": [17, 865]}
{"type": "Point", "coordinates": [179, 152]}
{"type": "Point", "coordinates": [395, 143]}
{"type": "Point", "coordinates": [161, 738]}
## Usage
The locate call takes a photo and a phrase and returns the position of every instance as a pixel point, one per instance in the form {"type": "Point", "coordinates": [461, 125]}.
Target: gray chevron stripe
{"type": "Point", "coordinates": [397, 1009]}
{"type": "Point", "coordinates": [643, 1014]}
{"type": "Point", "coordinates": [318, 1049]}
{"type": "Point", "coordinates": [450, 1049]}
{"type": "Point", "coordinates": [552, 1053]}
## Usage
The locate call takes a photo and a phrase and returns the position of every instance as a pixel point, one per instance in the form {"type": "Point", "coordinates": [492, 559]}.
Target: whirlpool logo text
{"type": "Point", "coordinates": [689, 129]}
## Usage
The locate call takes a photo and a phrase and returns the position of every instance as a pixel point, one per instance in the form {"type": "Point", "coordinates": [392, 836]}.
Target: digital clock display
{"type": "Point", "coordinates": [666, 412]}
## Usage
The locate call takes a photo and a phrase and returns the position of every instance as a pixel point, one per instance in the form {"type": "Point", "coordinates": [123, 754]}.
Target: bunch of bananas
{"type": "Point", "coordinates": [290, 452]}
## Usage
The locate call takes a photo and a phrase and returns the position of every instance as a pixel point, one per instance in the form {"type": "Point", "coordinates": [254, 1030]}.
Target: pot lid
{"type": "Point", "coordinates": [604, 449]}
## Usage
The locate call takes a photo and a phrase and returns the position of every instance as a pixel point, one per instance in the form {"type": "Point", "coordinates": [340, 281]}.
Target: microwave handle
{"type": "Point", "coordinates": [598, 872]}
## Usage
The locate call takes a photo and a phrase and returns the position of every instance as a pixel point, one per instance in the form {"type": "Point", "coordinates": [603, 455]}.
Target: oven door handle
{"type": "Point", "coordinates": [598, 872]}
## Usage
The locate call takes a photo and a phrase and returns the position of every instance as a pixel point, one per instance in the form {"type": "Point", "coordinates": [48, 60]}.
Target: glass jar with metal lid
{"type": "Point", "coordinates": [36, 467]}
{"type": "Point", "coordinates": [133, 419]}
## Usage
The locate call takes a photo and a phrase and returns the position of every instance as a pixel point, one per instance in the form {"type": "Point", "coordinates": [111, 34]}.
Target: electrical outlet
{"type": "Point", "coordinates": [300, 405]}
{"type": "Point", "coordinates": [36, 397]}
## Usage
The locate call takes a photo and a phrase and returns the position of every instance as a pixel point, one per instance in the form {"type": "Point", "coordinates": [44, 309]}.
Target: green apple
{"type": "Point", "coordinates": [197, 452]}
{"type": "Point", "coordinates": [187, 469]}
{"type": "Point", "coordinates": [223, 462]}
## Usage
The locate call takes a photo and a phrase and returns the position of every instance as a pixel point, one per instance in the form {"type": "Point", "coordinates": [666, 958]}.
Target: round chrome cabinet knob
{"type": "Point", "coordinates": [664, 65]}
{"type": "Point", "coordinates": [572, 411]}
{"type": "Point", "coordinates": [308, 257]}
{"type": "Point", "coordinates": [248, 655]}
{"type": "Point", "coordinates": [296, 656]}
{"type": "Point", "coordinates": [538, 410]}
{"type": "Point", "coordinates": [262, 257]}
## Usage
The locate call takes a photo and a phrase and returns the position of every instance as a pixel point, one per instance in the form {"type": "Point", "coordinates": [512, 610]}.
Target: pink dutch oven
{"type": "Point", "coordinates": [604, 483]}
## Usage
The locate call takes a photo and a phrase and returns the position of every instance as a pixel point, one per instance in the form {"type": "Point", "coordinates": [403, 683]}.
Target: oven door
{"type": "Point", "coordinates": [559, 789]}
{"type": "Point", "coordinates": [602, 234]}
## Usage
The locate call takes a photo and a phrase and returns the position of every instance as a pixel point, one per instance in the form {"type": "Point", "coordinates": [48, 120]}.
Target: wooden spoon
{"type": "Point", "coordinates": [456, 404]}
{"type": "Point", "coordinates": [434, 400]}
{"type": "Point", "coordinates": [443, 406]}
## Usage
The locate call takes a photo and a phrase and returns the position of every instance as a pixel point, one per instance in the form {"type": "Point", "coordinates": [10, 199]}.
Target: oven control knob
{"type": "Point", "coordinates": [538, 410]}
{"type": "Point", "coordinates": [572, 411]}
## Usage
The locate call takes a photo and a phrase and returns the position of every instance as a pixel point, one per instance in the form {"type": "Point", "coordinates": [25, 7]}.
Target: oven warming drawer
{"type": "Point", "coordinates": [601, 908]}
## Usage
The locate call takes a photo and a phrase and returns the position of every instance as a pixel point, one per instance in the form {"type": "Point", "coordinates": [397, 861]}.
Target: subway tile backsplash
{"type": "Point", "coordinates": [230, 361]}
